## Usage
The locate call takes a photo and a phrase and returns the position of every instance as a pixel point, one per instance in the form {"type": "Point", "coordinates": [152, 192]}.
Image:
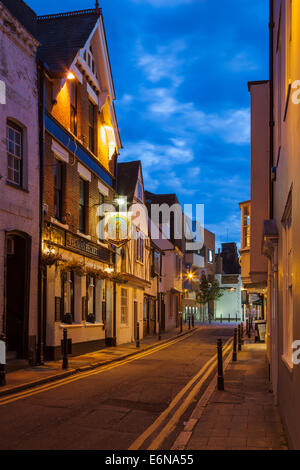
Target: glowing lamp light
{"type": "Point", "coordinates": [109, 270]}
{"type": "Point", "coordinates": [103, 135]}
{"type": "Point", "coordinates": [71, 76]}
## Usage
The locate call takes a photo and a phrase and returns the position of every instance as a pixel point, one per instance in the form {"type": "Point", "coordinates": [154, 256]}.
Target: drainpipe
{"type": "Point", "coordinates": [271, 123]}
{"type": "Point", "coordinates": [41, 319]}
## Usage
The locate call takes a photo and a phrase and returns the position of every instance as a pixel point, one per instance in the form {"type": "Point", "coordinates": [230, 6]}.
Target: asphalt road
{"type": "Point", "coordinates": [110, 409]}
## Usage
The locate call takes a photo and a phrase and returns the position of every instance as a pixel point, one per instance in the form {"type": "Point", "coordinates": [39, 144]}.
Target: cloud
{"type": "Point", "coordinates": [163, 64]}
{"type": "Point", "coordinates": [231, 125]}
{"type": "Point", "coordinates": [165, 3]}
{"type": "Point", "coordinates": [241, 63]}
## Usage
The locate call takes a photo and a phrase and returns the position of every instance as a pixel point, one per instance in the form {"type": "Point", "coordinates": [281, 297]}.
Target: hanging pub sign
{"type": "Point", "coordinates": [117, 228]}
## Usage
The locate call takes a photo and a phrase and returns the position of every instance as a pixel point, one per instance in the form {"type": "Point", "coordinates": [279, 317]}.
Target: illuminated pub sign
{"type": "Point", "coordinates": [72, 242]}
{"type": "Point", "coordinates": [117, 228]}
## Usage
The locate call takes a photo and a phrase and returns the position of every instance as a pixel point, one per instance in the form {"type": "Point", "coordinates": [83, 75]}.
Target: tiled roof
{"type": "Point", "coordinates": [24, 14]}
{"type": "Point", "coordinates": [62, 35]}
{"type": "Point", "coordinates": [169, 199]}
{"type": "Point", "coordinates": [127, 176]}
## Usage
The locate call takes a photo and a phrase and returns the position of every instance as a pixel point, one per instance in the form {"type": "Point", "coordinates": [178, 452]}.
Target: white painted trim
{"type": "Point", "coordinates": [103, 189]}
{"type": "Point", "coordinates": [92, 94]}
{"type": "Point", "coordinates": [77, 73]}
{"type": "Point", "coordinates": [59, 151]}
{"type": "Point", "coordinates": [84, 172]}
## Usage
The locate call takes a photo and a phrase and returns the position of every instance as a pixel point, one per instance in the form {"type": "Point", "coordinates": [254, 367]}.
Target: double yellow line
{"type": "Point", "coordinates": [194, 385]}
{"type": "Point", "coordinates": [60, 383]}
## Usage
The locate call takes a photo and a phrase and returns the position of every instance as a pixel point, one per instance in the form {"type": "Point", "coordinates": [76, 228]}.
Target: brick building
{"type": "Point", "coordinates": [81, 143]}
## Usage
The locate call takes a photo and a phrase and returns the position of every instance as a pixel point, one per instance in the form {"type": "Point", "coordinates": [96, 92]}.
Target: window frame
{"type": "Point", "coordinates": [74, 107]}
{"type": "Point", "coordinates": [83, 207]}
{"type": "Point", "coordinates": [15, 128]}
{"type": "Point", "coordinates": [124, 307]}
{"type": "Point", "coordinates": [58, 164]}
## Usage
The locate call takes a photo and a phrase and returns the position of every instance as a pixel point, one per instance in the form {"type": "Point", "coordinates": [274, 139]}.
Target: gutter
{"type": "Point", "coordinates": [41, 312]}
{"type": "Point", "coordinates": [271, 123]}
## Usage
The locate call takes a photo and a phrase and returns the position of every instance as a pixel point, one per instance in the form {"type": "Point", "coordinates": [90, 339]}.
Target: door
{"type": "Point", "coordinates": [17, 294]}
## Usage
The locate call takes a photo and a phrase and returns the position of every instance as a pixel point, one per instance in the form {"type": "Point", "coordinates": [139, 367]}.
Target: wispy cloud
{"type": "Point", "coordinates": [165, 3]}
{"type": "Point", "coordinates": [164, 63]}
{"type": "Point", "coordinates": [241, 63]}
{"type": "Point", "coordinates": [231, 125]}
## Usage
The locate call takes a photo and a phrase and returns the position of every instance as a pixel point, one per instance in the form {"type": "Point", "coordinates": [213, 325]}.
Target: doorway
{"type": "Point", "coordinates": [17, 287]}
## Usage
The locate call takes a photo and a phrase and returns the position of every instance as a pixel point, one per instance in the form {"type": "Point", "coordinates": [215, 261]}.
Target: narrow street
{"type": "Point", "coordinates": [118, 407]}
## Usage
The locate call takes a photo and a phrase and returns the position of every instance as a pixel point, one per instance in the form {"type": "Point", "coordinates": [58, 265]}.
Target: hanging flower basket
{"type": "Point", "coordinates": [49, 259]}
{"type": "Point", "coordinates": [76, 266]}
{"type": "Point", "coordinates": [117, 278]}
{"type": "Point", "coordinates": [96, 272]}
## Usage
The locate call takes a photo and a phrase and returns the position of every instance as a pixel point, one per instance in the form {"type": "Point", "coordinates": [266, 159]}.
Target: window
{"type": "Point", "coordinates": [156, 262]}
{"type": "Point", "coordinates": [90, 291]}
{"type": "Point", "coordinates": [58, 189]}
{"type": "Point", "coordinates": [124, 306]}
{"type": "Point", "coordinates": [92, 133]}
{"type": "Point", "coordinates": [140, 191]}
{"type": "Point", "coordinates": [83, 189]}
{"type": "Point", "coordinates": [139, 247]}
{"type": "Point", "coordinates": [14, 142]}
{"type": "Point", "coordinates": [73, 102]}
{"type": "Point", "coordinates": [67, 314]}
{"type": "Point", "coordinates": [287, 268]}
{"type": "Point", "coordinates": [210, 256]}
{"type": "Point", "coordinates": [246, 228]}
{"type": "Point", "coordinates": [178, 263]}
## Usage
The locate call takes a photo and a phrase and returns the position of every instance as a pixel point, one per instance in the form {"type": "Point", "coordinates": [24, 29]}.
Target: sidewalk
{"type": "Point", "coordinates": [243, 416]}
{"type": "Point", "coordinates": [28, 377]}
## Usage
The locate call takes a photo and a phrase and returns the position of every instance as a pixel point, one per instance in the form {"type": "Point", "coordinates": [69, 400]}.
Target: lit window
{"type": "Point", "coordinates": [124, 306]}
{"type": "Point", "coordinates": [14, 142]}
{"type": "Point", "coordinates": [67, 313]}
{"type": "Point", "coordinates": [73, 104]}
{"type": "Point", "coordinates": [210, 256]}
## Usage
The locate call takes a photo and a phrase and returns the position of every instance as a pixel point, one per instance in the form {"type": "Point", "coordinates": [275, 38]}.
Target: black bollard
{"type": "Point", "coordinates": [239, 338]}
{"type": "Point", "coordinates": [234, 352]}
{"type": "Point", "coordinates": [2, 361]}
{"type": "Point", "coordinates": [229, 319]}
{"type": "Point", "coordinates": [138, 335]}
{"type": "Point", "coordinates": [189, 322]}
{"type": "Point", "coordinates": [220, 365]}
{"type": "Point", "coordinates": [181, 324]}
{"type": "Point", "coordinates": [242, 333]}
{"type": "Point", "coordinates": [193, 321]}
{"type": "Point", "coordinates": [247, 327]}
{"type": "Point", "coordinates": [159, 332]}
{"type": "Point", "coordinates": [65, 363]}
{"type": "Point", "coordinates": [221, 319]}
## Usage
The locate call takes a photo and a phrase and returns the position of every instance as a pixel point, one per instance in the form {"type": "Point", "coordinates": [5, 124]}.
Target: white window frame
{"type": "Point", "coordinates": [124, 306]}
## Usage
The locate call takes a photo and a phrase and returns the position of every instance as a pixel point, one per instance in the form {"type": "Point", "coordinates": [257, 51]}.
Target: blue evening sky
{"type": "Point", "coordinates": [181, 69]}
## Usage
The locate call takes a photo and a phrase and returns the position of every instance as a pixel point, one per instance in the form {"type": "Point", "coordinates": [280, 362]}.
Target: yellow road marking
{"type": "Point", "coordinates": [161, 418]}
{"type": "Point", "coordinates": [170, 426]}
{"type": "Point", "coordinates": [83, 375]}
